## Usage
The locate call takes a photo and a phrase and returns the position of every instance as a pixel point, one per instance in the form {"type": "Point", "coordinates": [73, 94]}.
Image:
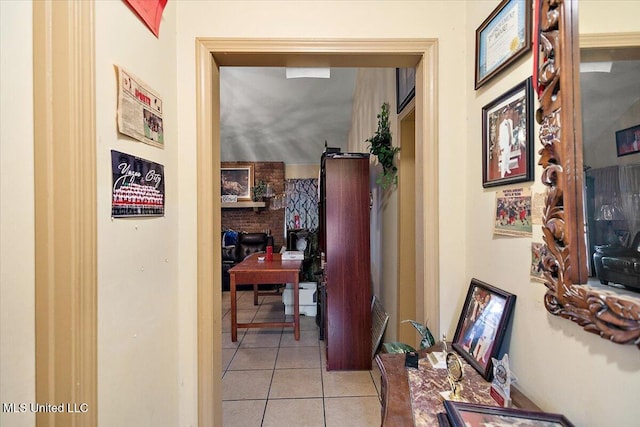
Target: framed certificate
{"type": "Point", "coordinates": [502, 38]}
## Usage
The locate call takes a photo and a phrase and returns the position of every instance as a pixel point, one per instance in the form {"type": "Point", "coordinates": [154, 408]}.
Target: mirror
{"type": "Point", "coordinates": [610, 314]}
{"type": "Point", "coordinates": [610, 93]}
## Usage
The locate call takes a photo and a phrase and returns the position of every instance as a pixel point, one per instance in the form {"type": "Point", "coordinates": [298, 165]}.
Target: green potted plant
{"type": "Point", "coordinates": [258, 191]}
{"type": "Point", "coordinates": [380, 146]}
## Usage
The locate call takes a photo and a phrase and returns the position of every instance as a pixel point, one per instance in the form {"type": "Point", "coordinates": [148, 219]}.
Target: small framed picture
{"type": "Point", "coordinates": [237, 181]}
{"type": "Point", "coordinates": [502, 38]}
{"type": "Point", "coordinates": [482, 324]}
{"type": "Point", "coordinates": [462, 414]}
{"type": "Point", "coordinates": [628, 141]}
{"type": "Point", "coordinates": [405, 87]}
{"type": "Point", "coordinates": [507, 140]}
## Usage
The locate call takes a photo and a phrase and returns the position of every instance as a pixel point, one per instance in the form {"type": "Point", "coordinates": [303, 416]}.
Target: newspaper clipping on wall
{"type": "Point", "coordinates": [513, 212]}
{"type": "Point", "coordinates": [138, 186]}
{"type": "Point", "coordinates": [538, 253]}
{"type": "Point", "coordinates": [139, 110]}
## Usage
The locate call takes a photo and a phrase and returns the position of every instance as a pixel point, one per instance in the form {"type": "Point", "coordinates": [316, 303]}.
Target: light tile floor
{"type": "Point", "coordinates": [270, 379]}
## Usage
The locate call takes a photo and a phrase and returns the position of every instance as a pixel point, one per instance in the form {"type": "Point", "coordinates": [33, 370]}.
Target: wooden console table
{"type": "Point", "coordinates": [253, 272]}
{"type": "Point", "coordinates": [401, 408]}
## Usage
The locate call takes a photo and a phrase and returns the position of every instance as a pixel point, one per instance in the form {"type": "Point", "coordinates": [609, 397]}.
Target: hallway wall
{"type": "Point", "coordinates": [17, 293]}
{"type": "Point", "coordinates": [138, 282]}
{"type": "Point", "coordinates": [559, 365]}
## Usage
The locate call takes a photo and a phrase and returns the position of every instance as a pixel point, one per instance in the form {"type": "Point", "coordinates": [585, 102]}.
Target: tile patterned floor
{"type": "Point", "coordinates": [270, 379]}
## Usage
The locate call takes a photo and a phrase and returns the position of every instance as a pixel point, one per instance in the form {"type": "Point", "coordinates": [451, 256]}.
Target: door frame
{"type": "Point", "coordinates": [211, 53]}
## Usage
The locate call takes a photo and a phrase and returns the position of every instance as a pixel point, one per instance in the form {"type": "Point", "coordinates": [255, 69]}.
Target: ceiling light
{"type": "Point", "coordinates": [314, 73]}
{"type": "Point", "coordinates": [596, 67]}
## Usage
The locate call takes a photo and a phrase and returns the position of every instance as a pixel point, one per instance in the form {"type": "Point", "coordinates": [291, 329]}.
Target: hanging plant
{"type": "Point", "coordinates": [380, 146]}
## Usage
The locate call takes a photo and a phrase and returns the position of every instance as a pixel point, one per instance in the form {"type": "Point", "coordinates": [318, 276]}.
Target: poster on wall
{"type": "Point", "coordinates": [138, 186]}
{"type": "Point", "coordinates": [150, 11]}
{"type": "Point", "coordinates": [538, 251]}
{"type": "Point", "coordinates": [513, 212]}
{"type": "Point", "coordinates": [139, 110]}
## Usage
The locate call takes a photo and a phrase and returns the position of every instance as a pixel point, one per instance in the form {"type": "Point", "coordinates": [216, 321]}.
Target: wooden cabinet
{"type": "Point", "coordinates": [344, 238]}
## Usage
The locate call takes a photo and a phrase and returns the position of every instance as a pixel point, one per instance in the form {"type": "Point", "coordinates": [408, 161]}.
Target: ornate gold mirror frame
{"type": "Point", "coordinates": [606, 313]}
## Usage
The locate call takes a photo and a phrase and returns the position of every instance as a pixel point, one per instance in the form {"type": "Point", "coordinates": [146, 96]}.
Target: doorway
{"type": "Point", "coordinates": [213, 53]}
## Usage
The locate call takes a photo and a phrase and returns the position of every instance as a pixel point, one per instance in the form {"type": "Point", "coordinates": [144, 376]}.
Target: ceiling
{"type": "Point", "coordinates": [266, 117]}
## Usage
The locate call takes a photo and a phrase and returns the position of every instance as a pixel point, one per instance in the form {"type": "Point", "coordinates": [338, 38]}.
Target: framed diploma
{"type": "Point", "coordinates": [502, 38]}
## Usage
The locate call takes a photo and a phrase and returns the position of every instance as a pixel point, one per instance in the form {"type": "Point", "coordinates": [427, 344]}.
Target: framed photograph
{"type": "Point", "coordinates": [405, 87]}
{"type": "Point", "coordinates": [462, 414]}
{"type": "Point", "coordinates": [628, 141]}
{"type": "Point", "coordinates": [482, 324]}
{"type": "Point", "coordinates": [237, 181]}
{"type": "Point", "coordinates": [507, 140]}
{"type": "Point", "coordinates": [502, 38]}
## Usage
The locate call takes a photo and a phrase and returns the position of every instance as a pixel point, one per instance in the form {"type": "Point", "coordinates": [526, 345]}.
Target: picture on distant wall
{"type": "Point", "coordinates": [405, 87]}
{"type": "Point", "coordinates": [507, 141]}
{"type": "Point", "coordinates": [513, 212]}
{"type": "Point", "coordinates": [628, 141]}
{"type": "Point", "coordinates": [237, 181]}
{"type": "Point", "coordinates": [138, 186]}
{"type": "Point", "coordinates": [538, 252]}
{"type": "Point", "coordinates": [139, 110]}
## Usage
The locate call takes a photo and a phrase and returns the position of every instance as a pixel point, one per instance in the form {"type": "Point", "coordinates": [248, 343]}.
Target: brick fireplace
{"type": "Point", "coordinates": [262, 219]}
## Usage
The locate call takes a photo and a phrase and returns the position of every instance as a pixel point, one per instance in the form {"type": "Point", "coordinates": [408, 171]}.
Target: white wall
{"type": "Point", "coordinates": [17, 305]}
{"type": "Point", "coordinates": [561, 367]}
{"type": "Point", "coordinates": [138, 286]}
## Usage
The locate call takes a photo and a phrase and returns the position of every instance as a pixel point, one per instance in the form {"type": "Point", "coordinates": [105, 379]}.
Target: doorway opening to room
{"type": "Point", "coordinates": [213, 53]}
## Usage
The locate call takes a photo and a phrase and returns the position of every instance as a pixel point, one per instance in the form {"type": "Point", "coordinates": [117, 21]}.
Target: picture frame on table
{"type": "Point", "coordinates": [463, 414]}
{"type": "Point", "coordinates": [628, 141]}
{"type": "Point", "coordinates": [237, 180]}
{"type": "Point", "coordinates": [502, 38]}
{"type": "Point", "coordinates": [483, 321]}
{"type": "Point", "coordinates": [507, 137]}
{"type": "Point", "coordinates": [405, 87]}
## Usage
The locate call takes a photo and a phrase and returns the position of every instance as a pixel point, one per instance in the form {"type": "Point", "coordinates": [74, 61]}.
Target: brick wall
{"type": "Point", "coordinates": [264, 219]}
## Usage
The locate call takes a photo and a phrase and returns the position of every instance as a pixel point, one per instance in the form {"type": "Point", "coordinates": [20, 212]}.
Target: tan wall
{"type": "Point", "coordinates": [139, 321]}
{"type": "Point", "coordinates": [560, 366]}
{"type": "Point", "coordinates": [17, 317]}
{"type": "Point", "coordinates": [375, 86]}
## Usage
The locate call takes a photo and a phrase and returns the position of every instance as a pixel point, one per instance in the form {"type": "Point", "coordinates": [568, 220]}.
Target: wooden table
{"type": "Point", "coordinates": [399, 410]}
{"type": "Point", "coordinates": [253, 272]}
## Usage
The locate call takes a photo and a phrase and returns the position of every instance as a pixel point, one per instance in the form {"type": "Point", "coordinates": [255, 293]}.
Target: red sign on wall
{"type": "Point", "coordinates": [150, 11]}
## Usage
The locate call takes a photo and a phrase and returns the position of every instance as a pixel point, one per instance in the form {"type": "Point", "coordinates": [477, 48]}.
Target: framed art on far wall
{"type": "Point", "coordinates": [405, 87]}
{"type": "Point", "coordinates": [502, 38]}
{"type": "Point", "coordinates": [628, 141]}
{"type": "Point", "coordinates": [482, 324]}
{"type": "Point", "coordinates": [507, 140]}
{"type": "Point", "coordinates": [237, 181]}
